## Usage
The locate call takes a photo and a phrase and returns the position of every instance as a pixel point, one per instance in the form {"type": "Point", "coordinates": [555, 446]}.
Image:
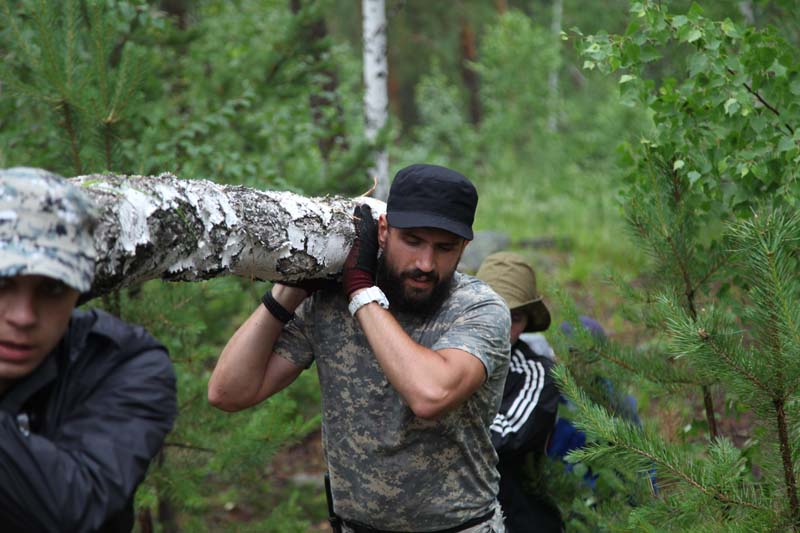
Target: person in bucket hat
{"type": "Point", "coordinates": [86, 400]}
{"type": "Point", "coordinates": [529, 406]}
{"type": "Point", "coordinates": [514, 279]}
{"type": "Point", "coordinates": [411, 357]}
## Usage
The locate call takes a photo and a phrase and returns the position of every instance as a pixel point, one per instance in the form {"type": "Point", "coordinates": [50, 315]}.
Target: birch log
{"type": "Point", "coordinates": [153, 227]}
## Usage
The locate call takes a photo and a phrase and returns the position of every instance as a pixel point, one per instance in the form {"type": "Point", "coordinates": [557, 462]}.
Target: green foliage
{"type": "Point", "coordinates": [77, 66]}
{"type": "Point", "coordinates": [229, 98]}
{"type": "Point", "coordinates": [444, 135]}
{"type": "Point", "coordinates": [533, 183]}
{"type": "Point", "coordinates": [210, 451]}
{"type": "Point", "coordinates": [516, 53]}
{"type": "Point", "coordinates": [707, 193]}
{"type": "Point", "coordinates": [727, 127]}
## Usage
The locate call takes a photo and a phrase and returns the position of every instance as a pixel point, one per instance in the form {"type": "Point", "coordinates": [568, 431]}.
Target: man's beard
{"type": "Point", "coordinates": [408, 300]}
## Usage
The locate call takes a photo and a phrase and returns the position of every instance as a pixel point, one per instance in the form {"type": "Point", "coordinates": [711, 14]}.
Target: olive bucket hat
{"type": "Point", "coordinates": [510, 276]}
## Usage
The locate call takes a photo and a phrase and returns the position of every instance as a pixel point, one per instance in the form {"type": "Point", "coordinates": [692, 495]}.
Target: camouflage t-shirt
{"type": "Point", "coordinates": [390, 469]}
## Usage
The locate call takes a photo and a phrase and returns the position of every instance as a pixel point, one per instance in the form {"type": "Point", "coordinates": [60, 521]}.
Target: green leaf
{"type": "Point", "coordinates": [689, 34]}
{"type": "Point", "coordinates": [744, 169]}
{"type": "Point", "coordinates": [678, 164]}
{"type": "Point", "coordinates": [794, 87]}
{"type": "Point", "coordinates": [694, 176]}
{"type": "Point", "coordinates": [695, 10]}
{"type": "Point", "coordinates": [729, 29]}
{"type": "Point", "coordinates": [649, 53]}
{"type": "Point", "coordinates": [632, 28]}
{"type": "Point", "coordinates": [638, 9]}
{"type": "Point", "coordinates": [629, 94]}
{"type": "Point", "coordinates": [678, 21]}
{"type": "Point", "coordinates": [758, 123]}
{"type": "Point", "coordinates": [694, 35]}
{"type": "Point", "coordinates": [698, 63]}
{"type": "Point", "coordinates": [625, 78]}
{"type": "Point", "coordinates": [786, 143]}
{"type": "Point", "coordinates": [731, 106]}
{"type": "Point", "coordinates": [778, 69]}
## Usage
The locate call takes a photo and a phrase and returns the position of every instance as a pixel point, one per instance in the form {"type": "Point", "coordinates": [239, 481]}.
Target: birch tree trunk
{"type": "Point", "coordinates": [153, 227]}
{"type": "Point", "coordinates": [376, 96]}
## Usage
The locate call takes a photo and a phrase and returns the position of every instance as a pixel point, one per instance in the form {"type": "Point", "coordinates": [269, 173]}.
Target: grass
{"type": "Point", "coordinates": [576, 222]}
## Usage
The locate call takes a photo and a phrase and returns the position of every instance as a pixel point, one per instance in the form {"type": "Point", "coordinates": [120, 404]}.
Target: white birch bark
{"type": "Point", "coordinates": [153, 227]}
{"type": "Point", "coordinates": [376, 94]}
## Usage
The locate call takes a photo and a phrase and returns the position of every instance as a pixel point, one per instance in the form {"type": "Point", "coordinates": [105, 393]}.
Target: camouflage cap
{"type": "Point", "coordinates": [46, 226]}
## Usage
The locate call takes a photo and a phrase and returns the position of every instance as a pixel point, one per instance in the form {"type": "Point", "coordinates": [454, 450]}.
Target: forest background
{"type": "Point", "coordinates": [518, 95]}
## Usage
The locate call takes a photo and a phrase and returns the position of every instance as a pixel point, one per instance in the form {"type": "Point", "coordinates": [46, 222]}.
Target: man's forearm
{"type": "Point", "coordinates": [241, 377]}
{"type": "Point", "coordinates": [430, 382]}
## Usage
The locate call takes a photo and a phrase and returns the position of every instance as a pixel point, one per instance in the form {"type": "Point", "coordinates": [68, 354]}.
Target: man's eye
{"type": "Point", "coordinates": [5, 283]}
{"type": "Point", "coordinates": [54, 288]}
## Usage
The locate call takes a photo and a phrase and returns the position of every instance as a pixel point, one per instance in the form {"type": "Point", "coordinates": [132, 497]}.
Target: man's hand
{"type": "Point", "coordinates": [310, 286]}
{"type": "Point", "coordinates": [362, 261]}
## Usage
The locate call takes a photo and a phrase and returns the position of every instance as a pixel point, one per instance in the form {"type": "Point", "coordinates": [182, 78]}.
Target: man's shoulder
{"type": "Point", "coordinates": [469, 289]}
{"type": "Point", "coordinates": [472, 299]}
{"type": "Point", "coordinates": [89, 326]}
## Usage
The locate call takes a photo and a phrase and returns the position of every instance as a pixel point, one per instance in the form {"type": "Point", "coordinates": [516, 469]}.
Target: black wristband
{"type": "Point", "coordinates": [275, 308]}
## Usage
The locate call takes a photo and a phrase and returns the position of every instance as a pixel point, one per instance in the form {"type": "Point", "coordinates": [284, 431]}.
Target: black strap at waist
{"type": "Point", "coordinates": [358, 527]}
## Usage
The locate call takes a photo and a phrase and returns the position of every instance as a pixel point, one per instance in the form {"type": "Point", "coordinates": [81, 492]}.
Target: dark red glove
{"type": "Point", "coordinates": [362, 261]}
{"type": "Point", "coordinates": [311, 285]}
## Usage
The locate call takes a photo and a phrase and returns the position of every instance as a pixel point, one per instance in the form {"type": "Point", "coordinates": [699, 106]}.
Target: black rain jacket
{"type": "Point", "coordinates": [77, 434]}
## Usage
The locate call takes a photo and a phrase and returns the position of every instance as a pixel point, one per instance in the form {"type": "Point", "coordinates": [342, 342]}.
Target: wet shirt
{"type": "Point", "coordinates": [390, 469]}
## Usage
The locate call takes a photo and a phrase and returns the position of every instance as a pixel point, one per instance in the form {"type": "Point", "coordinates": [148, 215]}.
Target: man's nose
{"type": "Point", "coordinates": [21, 309]}
{"type": "Point", "coordinates": [426, 260]}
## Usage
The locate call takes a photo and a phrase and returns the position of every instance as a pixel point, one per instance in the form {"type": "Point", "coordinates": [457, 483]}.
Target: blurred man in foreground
{"type": "Point", "coordinates": [86, 400]}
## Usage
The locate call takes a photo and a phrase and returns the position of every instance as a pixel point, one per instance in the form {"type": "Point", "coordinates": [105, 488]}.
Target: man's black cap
{"type": "Point", "coordinates": [430, 196]}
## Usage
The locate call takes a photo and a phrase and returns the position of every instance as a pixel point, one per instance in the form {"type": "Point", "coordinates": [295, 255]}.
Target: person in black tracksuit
{"type": "Point", "coordinates": [86, 400]}
{"type": "Point", "coordinates": [529, 406]}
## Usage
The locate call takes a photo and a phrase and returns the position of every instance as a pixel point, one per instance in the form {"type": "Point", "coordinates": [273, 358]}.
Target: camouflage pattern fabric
{"type": "Point", "coordinates": [45, 228]}
{"type": "Point", "coordinates": [493, 525]}
{"type": "Point", "coordinates": [390, 469]}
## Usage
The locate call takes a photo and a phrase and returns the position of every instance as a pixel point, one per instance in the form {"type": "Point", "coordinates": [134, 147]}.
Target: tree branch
{"type": "Point", "coordinates": [761, 99]}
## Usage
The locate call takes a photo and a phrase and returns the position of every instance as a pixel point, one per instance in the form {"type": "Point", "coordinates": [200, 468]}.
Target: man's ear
{"type": "Point", "coordinates": [383, 230]}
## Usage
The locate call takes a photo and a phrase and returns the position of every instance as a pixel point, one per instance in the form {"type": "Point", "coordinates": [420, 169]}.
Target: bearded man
{"type": "Point", "coordinates": [411, 356]}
